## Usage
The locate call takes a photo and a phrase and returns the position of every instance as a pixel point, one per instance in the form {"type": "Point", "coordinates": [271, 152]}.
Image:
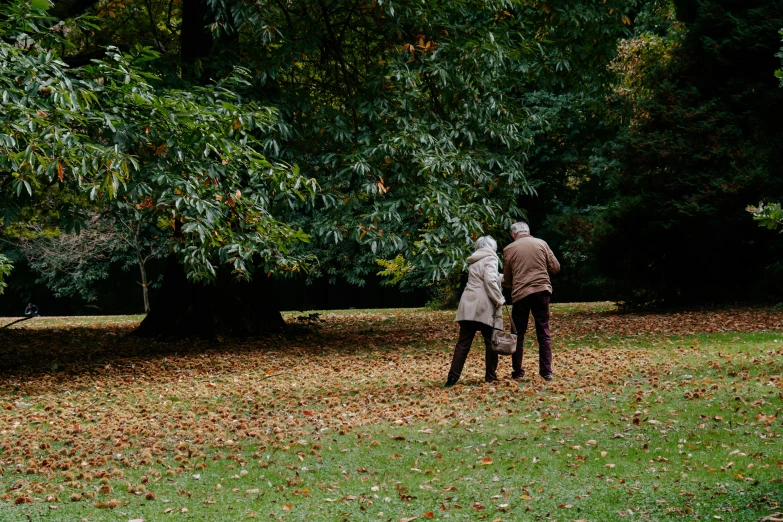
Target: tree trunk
{"type": "Point", "coordinates": [229, 309]}
{"type": "Point", "coordinates": [144, 286]}
{"type": "Point", "coordinates": [195, 37]}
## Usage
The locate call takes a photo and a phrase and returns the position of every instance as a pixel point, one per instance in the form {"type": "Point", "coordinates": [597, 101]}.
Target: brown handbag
{"type": "Point", "coordinates": [504, 343]}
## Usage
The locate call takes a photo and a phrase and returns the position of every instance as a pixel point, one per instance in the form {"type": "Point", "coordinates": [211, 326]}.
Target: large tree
{"type": "Point", "coordinates": [188, 159]}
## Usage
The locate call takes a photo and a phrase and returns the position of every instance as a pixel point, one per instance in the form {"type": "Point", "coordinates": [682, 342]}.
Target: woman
{"type": "Point", "coordinates": [479, 309]}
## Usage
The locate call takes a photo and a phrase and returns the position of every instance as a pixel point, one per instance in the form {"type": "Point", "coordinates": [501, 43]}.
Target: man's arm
{"type": "Point", "coordinates": [552, 264]}
{"type": "Point", "coordinates": [507, 278]}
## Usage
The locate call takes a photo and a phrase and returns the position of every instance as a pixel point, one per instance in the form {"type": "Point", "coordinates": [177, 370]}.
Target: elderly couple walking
{"type": "Point", "coordinates": [527, 263]}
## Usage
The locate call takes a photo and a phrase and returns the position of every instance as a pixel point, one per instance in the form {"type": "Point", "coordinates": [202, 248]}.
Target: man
{"type": "Point", "coordinates": [527, 262]}
{"type": "Point", "coordinates": [31, 310]}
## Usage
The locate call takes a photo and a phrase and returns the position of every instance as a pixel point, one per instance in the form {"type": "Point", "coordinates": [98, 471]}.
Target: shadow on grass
{"type": "Point", "coordinates": [57, 353]}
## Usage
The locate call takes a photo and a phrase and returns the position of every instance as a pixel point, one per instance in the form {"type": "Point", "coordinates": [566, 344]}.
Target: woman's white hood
{"type": "Point", "coordinates": [480, 254]}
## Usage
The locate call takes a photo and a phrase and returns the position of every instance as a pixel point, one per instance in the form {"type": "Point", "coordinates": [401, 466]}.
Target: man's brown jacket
{"type": "Point", "coordinates": [527, 262]}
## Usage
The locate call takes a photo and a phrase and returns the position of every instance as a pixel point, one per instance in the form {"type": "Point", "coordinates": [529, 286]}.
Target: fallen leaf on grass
{"type": "Point", "coordinates": [157, 377]}
{"type": "Point", "coordinates": [486, 461]}
{"type": "Point", "coordinates": [109, 504]}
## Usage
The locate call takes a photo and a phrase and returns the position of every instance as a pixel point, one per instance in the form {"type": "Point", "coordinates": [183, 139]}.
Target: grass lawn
{"type": "Point", "coordinates": [650, 417]}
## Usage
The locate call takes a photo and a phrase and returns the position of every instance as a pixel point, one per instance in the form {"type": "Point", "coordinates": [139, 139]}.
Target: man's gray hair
{"type": "Point", "coordinates": [486, 242]}
{"type": "Point", "coordinates": [518, 228]}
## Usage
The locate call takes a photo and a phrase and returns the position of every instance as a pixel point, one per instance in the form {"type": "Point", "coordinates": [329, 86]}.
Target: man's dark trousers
{"type": "Point", "coordinates": [538, 303]}
{"type": "Point", "coordinates": [467, 331]}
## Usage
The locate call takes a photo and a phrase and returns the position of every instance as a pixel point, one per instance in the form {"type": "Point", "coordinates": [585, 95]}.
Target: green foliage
{"type": "Point", "coordinates": [417, 118]}
{"type": "Point", "coordinates": [108, 130]}
{"type": "Point", "coordinates": [72, 264]}
{"type": "Point", "coordinates": [768, 216]}
{"type": "Point", "coordinates": [395, 270]}
{"type": "Point", "coordinates": [47, 114]}
{"type": "Point", "coordinates": [5, 270]}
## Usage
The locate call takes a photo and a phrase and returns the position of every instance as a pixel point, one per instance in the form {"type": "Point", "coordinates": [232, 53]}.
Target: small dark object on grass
{"type": "Point", "coordinates": [309, 319]}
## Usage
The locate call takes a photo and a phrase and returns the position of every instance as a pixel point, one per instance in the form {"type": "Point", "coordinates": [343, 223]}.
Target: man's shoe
{"type": "Point", "coordinates": [547, 377]}
{"type": "Point", "coordinates": [449, 383]}
{"type": "Point", "coordinates": [517, 376]}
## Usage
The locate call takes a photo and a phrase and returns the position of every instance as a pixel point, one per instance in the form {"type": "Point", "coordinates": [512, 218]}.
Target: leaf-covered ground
{"type": "Point", "coordinates": [651, 416]}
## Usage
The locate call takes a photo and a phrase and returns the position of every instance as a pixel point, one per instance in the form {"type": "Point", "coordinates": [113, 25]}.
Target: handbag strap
{"type": "Point", "coordinates": [513, 327]}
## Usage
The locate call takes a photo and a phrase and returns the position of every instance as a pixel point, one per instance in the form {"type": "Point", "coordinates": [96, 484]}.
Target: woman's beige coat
{"type": "Point", "coordinates": [482, 298]}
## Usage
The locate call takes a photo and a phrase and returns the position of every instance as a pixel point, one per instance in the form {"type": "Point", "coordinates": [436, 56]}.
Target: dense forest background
{"type": "Point", "coordinates": [307, 146]}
